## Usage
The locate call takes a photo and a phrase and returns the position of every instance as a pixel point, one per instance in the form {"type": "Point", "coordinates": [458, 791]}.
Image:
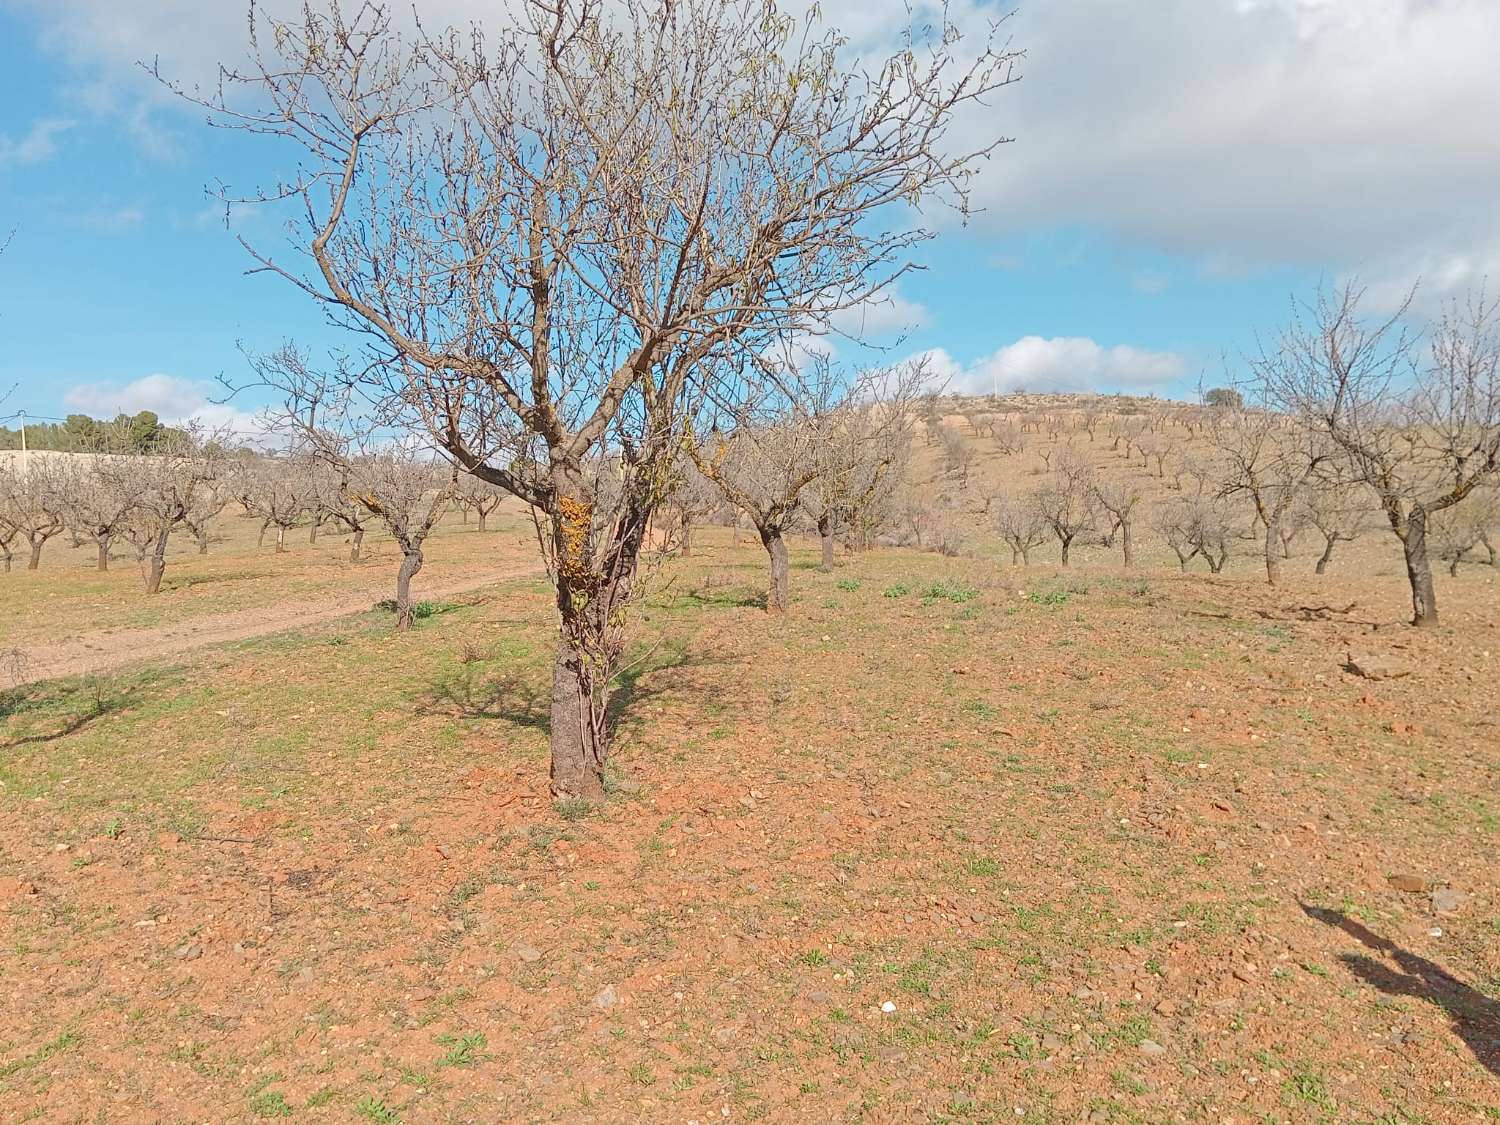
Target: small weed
{"type": "Point", "coordinates": [1052, 597]}
{"type": "Point", "coordinates": [897, 590]}
{"type": "Point", "coordinates": [575, 809]}
{"type": "Point", "coordinates": [982, 866]}
{"type": "Point", "coordinates": [463, 1050]}
{"type": "Point", "coordinates": [945, 589]}
{"type": "Point", "coordinates": [270, 1103]}
{"type": "Point", "coordinates": [373, 1109]}
{"type": "Point", "coordinates": [849, 584]}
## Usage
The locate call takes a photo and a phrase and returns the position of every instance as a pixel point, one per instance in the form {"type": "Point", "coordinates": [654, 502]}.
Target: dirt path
{"type": "Point", "coordinates": [103, 651]}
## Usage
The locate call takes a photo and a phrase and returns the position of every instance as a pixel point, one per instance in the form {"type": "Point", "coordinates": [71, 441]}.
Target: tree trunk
{"type": "Point", "coordinates": [483, 518]}
{"type": "Point", "coordinates": [36, 555]}
{"type": "Point", "coordinates": [312, 532]}
{"type": "Point", "coordinates": [261, 540]}
{"type": "Point", "coordinates": [1127, 543]}
{"type": "Point", "coordinates": [158, 563]}
{"type": "Point", "coordinates": [1419, 570]}
{"type": "Point", "coordinates": [202, 536]}
{"type": "Point", "coordinates": [825, 533]}
{"type": "Point", "coordinates": [686, 550]}
{"type": "Point", "coordinates": [103, 562]}
{"type": "Point", "coordinates": [411, 562]}
{"type": "Point", "coordinates": [1066, 545]}
{"type": "Point", "coordinates": [1453, 567]}
{"type": "Point", "coordinates": [1326, 557]}
{"type": "Point", "coordinates": [355, 543]}
{"type": "Point", "coordinates": [1273, 557]}
{"type": "Point", "coordinates": [779, 594]}
{"type": "Point", "coordinates": [280, 540]}
{"type": "Point", "coordinates": [577, 760]}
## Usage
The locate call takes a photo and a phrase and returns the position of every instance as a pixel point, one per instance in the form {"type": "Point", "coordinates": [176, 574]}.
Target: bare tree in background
{"type": "Point", "coordinates": [35, 503]}
{"type": "Point", "coordinates": [165, 485]}
{"type": "Point", "coordinates": [693, 499]}
{"type": "Point", "coordinates": [762, 466]}
{"type": "Point", "coordinates": [1339, 514]}
{"type": "Point", "coordinates": [1066, 500]}
{"type": "Point", "coordinates": [274, 491]}
{"type": "Point", "coordinates": [1174, 523]}
{"type": "Point", "coordinates": [408, 494]}
{"type": "Point", "coordinates": [1268, 462]}
{"type": "Point", "coordinates": [1021, 525]}
{"type": "Point", "coordinates": [97, 508]}
{"type": "Point", "coordinates": [478, 496]}
{"type": "Point", "coordinates": [1118, 497]}
{"type": "Point", "coordinates": [1424, 434]}
{"type": "Point", "coordinates": [958, 453]}
{"type": "Point", "coordinates": [864, 443]}
{"type": "Point", "coordinates": [544, 229]}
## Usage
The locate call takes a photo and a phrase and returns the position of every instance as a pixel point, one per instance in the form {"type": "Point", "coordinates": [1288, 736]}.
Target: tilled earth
{"type": "Point", "coordinates": [951, 842]}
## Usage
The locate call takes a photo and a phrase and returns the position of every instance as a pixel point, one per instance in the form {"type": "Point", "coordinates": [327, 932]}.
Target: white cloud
{"type": "Point", "coordinates": [39, 143]}
{"type": "Point", "coordinates": [1341, 135]}
{"type": "Point", "coordinates": [1058, 364]}
{"type": "Point", "coordinates": [172, 399]}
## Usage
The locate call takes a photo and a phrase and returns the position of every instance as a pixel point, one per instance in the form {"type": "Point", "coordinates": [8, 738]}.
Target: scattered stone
{"type": "Point", "coordinates": [724, 1036]}
{"type": "Point", "coordinates": [1152, 1048]}
{"type": "Point", "coordinates": [1446, 900]}
{"type": "Point", "coordinates": [1166, 1008]}
{"type": "Point", "coordinates": [606, 998]}
{"type": "Point", "coordinates": [1374, 668]}
{"type": "Point", "coordinates": [889, 1054]}
{"type": "Point", "coordinates": [527, 953]}
{"type": "Point", "coordinates": [1407, 884]}
{"type": "Point", "coordinates": [627, 786]}
{"type": "Point", "coordinates": [189, 952]}
{"type": "Point", "coordinates": [818, 997]}
{"type": "Point", "coordinates": [25, 888]}
{"type": "Point", "coordinates": [888, 1007]}
{"type": "Point", "coordinates": [1245, 973]}
{"type": "Point", "coordinates": [962, 1099]}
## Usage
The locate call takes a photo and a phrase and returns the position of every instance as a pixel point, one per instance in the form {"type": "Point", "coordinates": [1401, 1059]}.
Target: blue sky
{"type": "Point", "coordinates": [1177, 172]}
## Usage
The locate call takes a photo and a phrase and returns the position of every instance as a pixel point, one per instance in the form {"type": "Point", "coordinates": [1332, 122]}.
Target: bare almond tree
{"type": "Point", "coordinates": [165, 486]}
{"type": "Point", "coordinates": [97, 508]}
{"type": "Point", "coordinates": [762, 466]}
{"type": "Point", "coordinates": [1066, 500]}
{"type": "Point", "coordinates": [1118, 498]}
{"type": "Point", "coordinates": [408, 493]}
{"type": "Point", "coordinates": [693, 500]}
{"type": "Point", "coordinates": [478, 496]}
{"type": "Point", "coordinates": [1174, 522]}
{"type": "Point", "coordinates": [958, 453]}
{"type": "Point", "coordinates": [275, 491]}
{"type": "Point", "coordinates": [545, 229]}
{"type": "Point", "coordinates": [1021, 525]}
{"type": "Point", "coordinates": [1339, 513]}
{"type": "Point", "coordinates": [34, 503]}
{"type": "Point", "coordinates": [1422, 432]}
{"type": "Point", "coordinates": [1269, 462]}
{"type": "Point", "coordinates": [865, 444]}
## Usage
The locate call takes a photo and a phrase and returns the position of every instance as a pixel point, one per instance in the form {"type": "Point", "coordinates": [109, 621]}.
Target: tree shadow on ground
{"type": "Point", "coordinates": [525, 697]}
{"type": "Point", "coordinates": [1476, 1017]}
{"type": "Point", "coordinates": [72, 706]}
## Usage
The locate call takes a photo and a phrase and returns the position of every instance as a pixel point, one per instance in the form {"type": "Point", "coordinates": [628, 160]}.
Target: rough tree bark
{"type": "Point", "coordinates": [411, 562]}
{"type": "Point", "coordinates": [778, 596]}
